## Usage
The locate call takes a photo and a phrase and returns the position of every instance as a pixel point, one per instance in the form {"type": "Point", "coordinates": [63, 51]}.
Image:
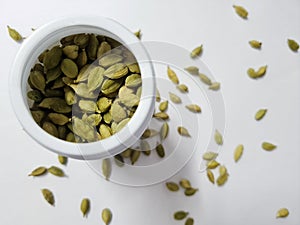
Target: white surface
{"type": "Point", "coordinates": [259, 184]}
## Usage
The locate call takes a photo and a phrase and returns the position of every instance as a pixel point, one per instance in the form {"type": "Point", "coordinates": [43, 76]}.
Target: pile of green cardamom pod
{"type": "Point", "coordinates": [84, 89]}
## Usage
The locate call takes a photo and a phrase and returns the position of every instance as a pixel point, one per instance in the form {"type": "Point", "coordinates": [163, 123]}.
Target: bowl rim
{"type": "Point", "coordinates": [108, 147]}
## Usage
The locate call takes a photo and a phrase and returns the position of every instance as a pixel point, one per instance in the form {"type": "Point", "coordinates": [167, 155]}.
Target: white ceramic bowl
{"type": "Point", "coordinates": [47, 36]}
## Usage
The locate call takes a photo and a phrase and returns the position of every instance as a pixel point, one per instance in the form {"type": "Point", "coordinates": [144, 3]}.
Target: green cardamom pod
{"type": "Point", "coordinates": [196, 51]}
{"type": "Point", "coordinates": [38, 171]}
{"type": "Point", "coordinates": [172, 75]}
{"type": "Point", "coordinates": [37, 115]}
{"type": "Point", "coordinates": [293, 45]}
{"type": "Point", "coordinates": [106, 168]}
{"type": "Point", "coordinates": [172, 186]}
{"type": "Point", "coordinates": [69, 68]}
{"type": "Point", "coordinates": [282, 213]}
{"type": "Point", "coordinates": [268, 146]}
{"type": "Point", "coordinates": [52, 58]}
{"type": "Point", "coordinates": [161, 115]}
{"type": "Point", "coordinates": [238, 152]}
{"type": "Point", "coordinates": [255, 44]}
{"type": "Point", "coordinates": [163, 106]}
{"type": "Point", "coordinates": [56, 171]}
{"type": "Point", "coordinates": [48, 196]}
{"type": "Point", "coordinates": [193, 70]}
{"type": "Point", "coordinates": [35, 95]}
{"type": "Point", "coordinates": [164, 131]}
{"type": "Point", "coordinates": [174, 98]}
{"type": "Point", "coordinates": [180, 215]}
{"type": "Point", "coordinates": [103, 48]}
{"type": "Point", "coordinates": [81, 40]}
{"type": "Point", "coordinates": [209, 156]}
{"type": "Point", "coordinates": [260, 114]}
{"type": "Point", "coordinates": [133, 80]}
{"type": "Point", "coordinates": [134, 156]}
{"type": "Point", "coordinates": [183, 131]}
{"type": "Point", "coordinates": [184, 183]}
{"type": "Point", "coordinates": [210, 176]}
{"type": "Point", "coordinates": [190, 191]}
{"type": "Point", "coordinates": [241, 11]}
{"type": "Point", "coordinates": [92, 47]}
{"type": "Point", "coordinates": [218, 138]}
{"type": "Point", "coordinates": [189, 221]}
{"type": "Point", "coordinates": [110, 59]}
{"type": "Point", "coordinates": [106, 216]}
{"type": "Point", "coordinates": [182, 88]}
{"type": "Point", "coordinates": [85, 206]}
{"type": "Point", "coordinates": [193, 108]}
{"type": "Point", "coordinates": [212, 164]}
{"type": "Point", "coordinates": [71, 51]}
{"type": "Point", "coordinates": [160, 151]}
{"type": "Point", "coordinates": [37, 79]}
{"type": "Point", "coordinates": [15, 35]}
{"type": "Point", "coordinates": [58, 118]}
{"type": "Point", "coordinates": [62, 159]}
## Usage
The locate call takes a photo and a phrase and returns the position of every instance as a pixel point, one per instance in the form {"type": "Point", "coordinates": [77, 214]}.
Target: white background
{"type": "Point", "coordinates": [260, 184]}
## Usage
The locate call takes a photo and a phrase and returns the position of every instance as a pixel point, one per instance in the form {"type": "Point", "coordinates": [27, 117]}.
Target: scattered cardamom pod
{"type": "Point", "coordinates": [62, 160]}
{"type": "Point", "coordinates": [85, 206]}
{"type": "Point", "coordinates": [164, 130]}
{"type": "Point", "coordinates": [106, 168]}
{"type": "Point", "coordinates": [135, 155]}
{"type": "Point", "coordinates": [56, 171]}
{"type": "Point", "coordinates": [157, 97]}
{"type": "Point", "coordinates": [180, 215]}
{"type": "Point", "coordinates": [182, 88]}
{"type": "Point", "coordinates": [183, 131]}
{"type": "Point", "coordinates": [48, 196]}
{"type": "Point", "coordinates": [218, 138]}
{"type": "Point", "coordinates": [282, 213]}
{"type": "Point", "coordinates": [293, 45]}
{"type": "Point", "coordinates": [241, 11]}
{"type": "Point", "coordinates": [38, 171]}
{"type": "Point", "coordinates": [161, 115]}
{"type": "Point", "coordinates": [222, 170]}
{"type": "Point", "coordinates": [160, 151]}
{"type": "Point", "coordinates": [205, 79]}
{"type": "Point", "coordinates": [106, 216]}
{"type": "Point", "coordinates": [193, 70]}
{"type": "Point", "coordinates": [208, 156]}
{"type": "Point", "coordinates": [255, 44]}
{"type": "Point", "coordinates": [260, 114]}
{"type": "Point", "coordinates": [15, 35]}
{"type": "Point", "coordinates": [222, 180]}
{"type": "Point", "coordinates": [172, 75]}
{"type": "Point", "coordinates": [189, 221]}
{"type": "Point", "coordinates": [184, 183]}
{"type": "Point", "coordinates": [138, 34]}
{"type": "Point", "coordinates": [174, 98]}
{"type": "Point", "coordinates": [210, 176]}
{"type": "Point", "coordinates": [238, 152]}
{"type": "Point", "coordinates": [268, 146]}
{"type": "Point", "coordinates": [193, 108]}
{"type": "Point", "coordinates": [163, 106]}
{"type": "Point", "coordinates": [190, 191]}
{"type": "Point", "coordinates": [215, 86]}
{"type": "Point", "coordinates": [172, 186]}
{"type": "Point", "coordinates": [196, 51]}
{"type": "Point", "coordinates": [212, 164]}
{"type": "Point", "coordinates": [257, 74]}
